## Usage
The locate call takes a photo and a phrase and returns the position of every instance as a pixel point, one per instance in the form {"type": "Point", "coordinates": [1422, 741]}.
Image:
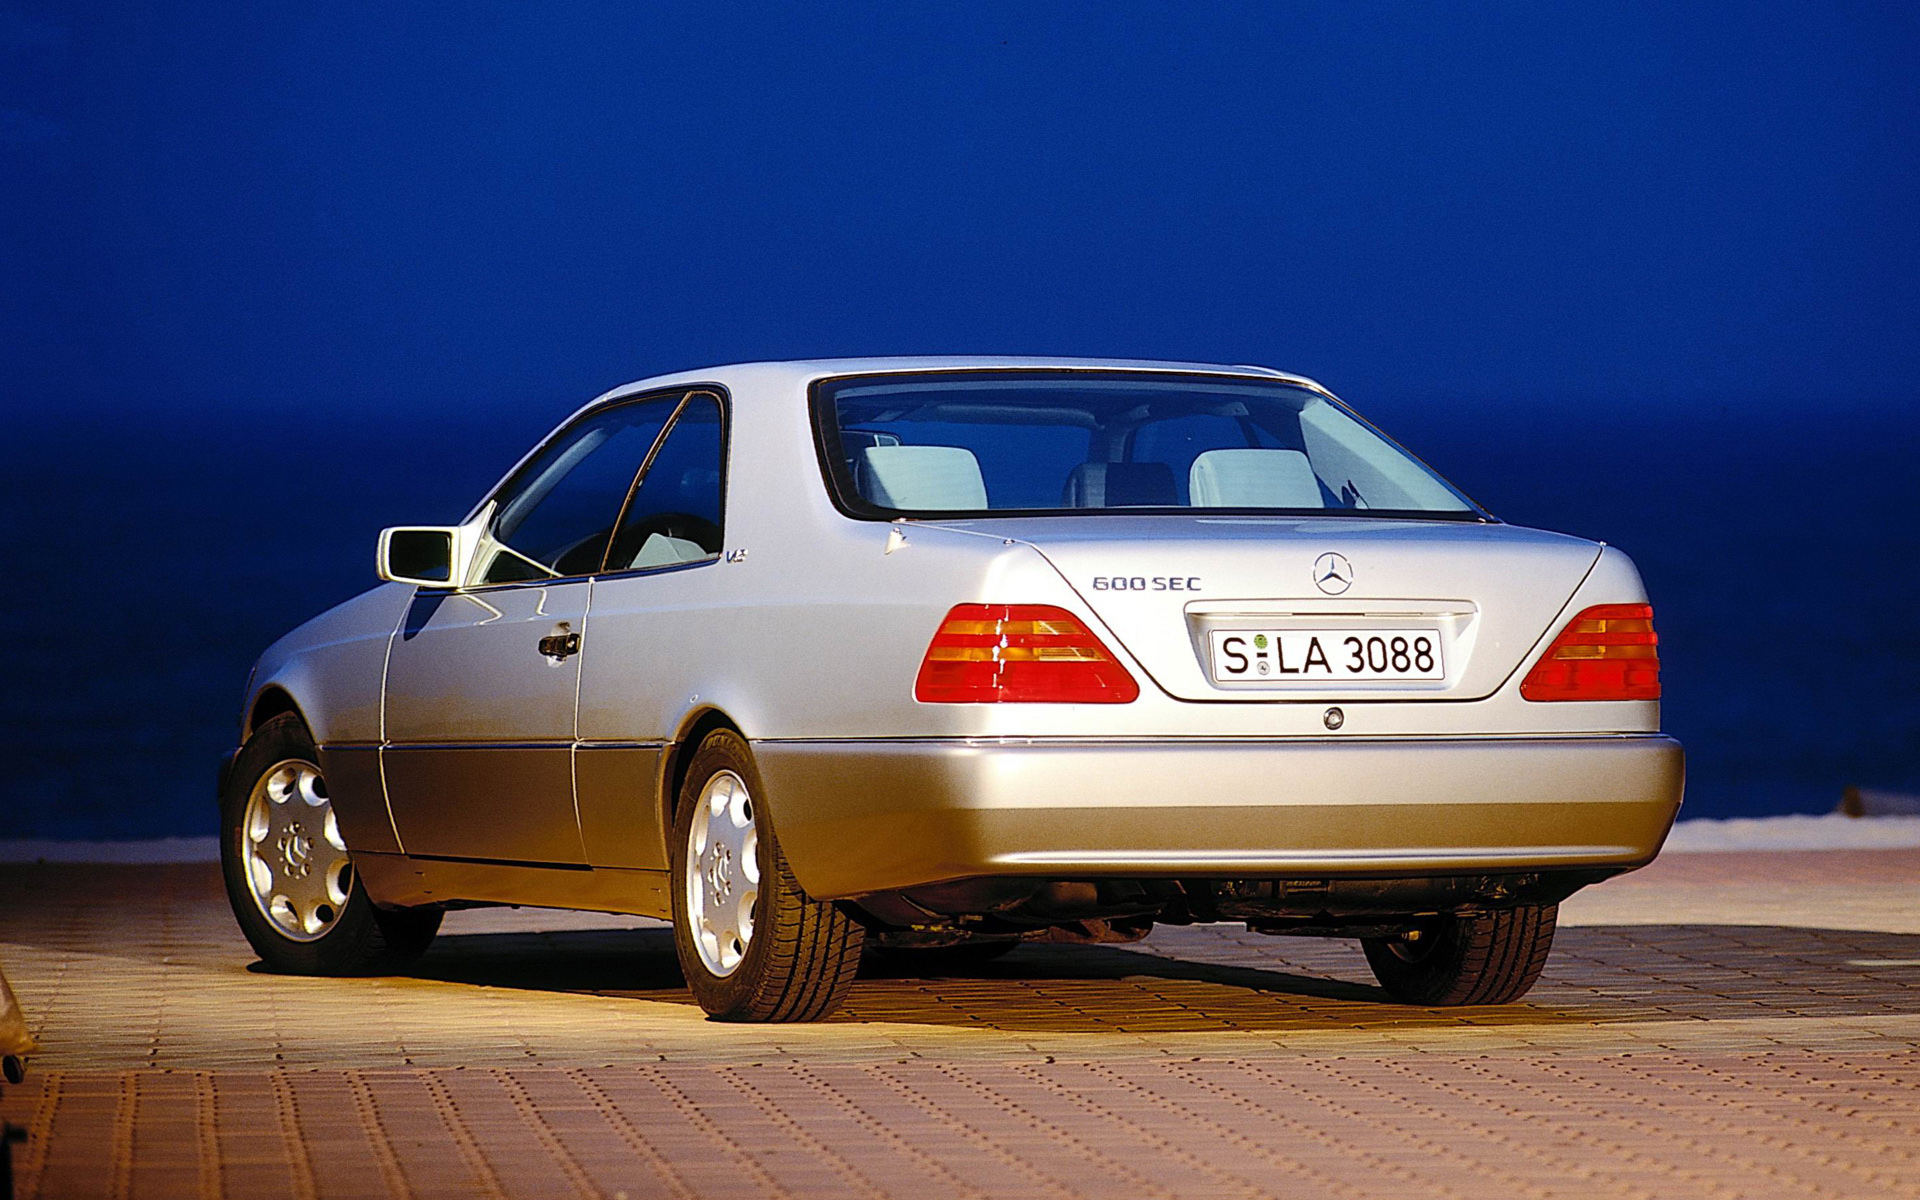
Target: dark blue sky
{"type": "Point", "coordinates": [438, 204]}
{"type": "Point", "coordinates": [274, 276]}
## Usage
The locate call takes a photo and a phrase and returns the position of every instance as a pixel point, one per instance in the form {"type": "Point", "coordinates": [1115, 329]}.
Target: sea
{"type": "Point", "coordinates": [155, 550]}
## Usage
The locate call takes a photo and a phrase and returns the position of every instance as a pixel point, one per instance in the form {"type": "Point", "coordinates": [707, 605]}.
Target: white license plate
{"type": "Point", "coordinates": [1301, 655]}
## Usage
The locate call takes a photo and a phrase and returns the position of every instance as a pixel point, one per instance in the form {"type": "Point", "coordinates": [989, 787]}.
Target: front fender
{"type": "Point", "coordinates": [334, 666]}
{"type": "Point", "coordinates": [333, 669]}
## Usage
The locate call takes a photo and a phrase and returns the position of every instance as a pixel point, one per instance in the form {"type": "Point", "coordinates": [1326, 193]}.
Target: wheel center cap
{"type": "Point", "coordinates": [296, 851]}
{"type": "Point", "coordinates": [720, 870]}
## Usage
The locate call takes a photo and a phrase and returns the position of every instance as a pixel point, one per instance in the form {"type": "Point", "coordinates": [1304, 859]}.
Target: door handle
{"type": "Point", "coordinates": [558, 646]}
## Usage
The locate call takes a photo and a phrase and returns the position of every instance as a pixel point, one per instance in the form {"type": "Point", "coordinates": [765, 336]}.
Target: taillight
{"type": "Point", "coordinates": [1031, 653]}
{"type": "Point", "coordinates": [1608, 652]}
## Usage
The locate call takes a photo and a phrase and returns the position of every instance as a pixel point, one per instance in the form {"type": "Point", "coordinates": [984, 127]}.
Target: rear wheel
{"type": "Point", "coordinates": [289, 878]}
{"type": "Point", "coordinates": [752, 945]}
{"type": "Point", "coordinates": [1493, 958]}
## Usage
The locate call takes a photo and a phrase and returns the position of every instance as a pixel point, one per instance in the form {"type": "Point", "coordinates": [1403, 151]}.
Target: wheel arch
{"type": "Point", "coordinates": [271, 701]}
{"type": "Point", "coordinates": [694, 728]}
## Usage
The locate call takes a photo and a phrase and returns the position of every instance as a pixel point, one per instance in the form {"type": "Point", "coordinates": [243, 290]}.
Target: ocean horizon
{"type": "Point", "coordinates": [162, 554]}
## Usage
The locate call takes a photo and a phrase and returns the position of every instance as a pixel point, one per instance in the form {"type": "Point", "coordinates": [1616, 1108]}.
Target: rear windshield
{"type": "Point", "coordinates": [973, 444]}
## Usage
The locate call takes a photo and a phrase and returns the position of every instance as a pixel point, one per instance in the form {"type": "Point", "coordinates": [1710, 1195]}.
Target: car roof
{"type": "Point", "coordinates": [798, 373]}
{"type": "Point", "coordinates": [793, 376]}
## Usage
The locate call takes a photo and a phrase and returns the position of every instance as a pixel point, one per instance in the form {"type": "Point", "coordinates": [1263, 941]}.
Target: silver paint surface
{"type": "Point", "coordinates": [812, 627]}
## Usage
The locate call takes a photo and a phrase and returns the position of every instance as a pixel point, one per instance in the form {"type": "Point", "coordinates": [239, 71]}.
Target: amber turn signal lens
{"type": "Point", "coordinates": [1019, 653]}
{"type": "Point", "coordinates": [1608, 652]}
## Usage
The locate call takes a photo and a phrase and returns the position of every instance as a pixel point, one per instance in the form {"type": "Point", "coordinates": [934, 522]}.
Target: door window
{"type": "Point", "coordinates": [674, 516]}
{"type": "Point", "coordinates": [557, 513]}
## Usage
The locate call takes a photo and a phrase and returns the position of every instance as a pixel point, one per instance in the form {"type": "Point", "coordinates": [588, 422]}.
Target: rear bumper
{"type": "Point", "coordinates": [856, 817]}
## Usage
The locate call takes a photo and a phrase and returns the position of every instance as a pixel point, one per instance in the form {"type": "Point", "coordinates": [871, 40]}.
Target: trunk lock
{"type": "Point", "coordinates": [1334, 718]}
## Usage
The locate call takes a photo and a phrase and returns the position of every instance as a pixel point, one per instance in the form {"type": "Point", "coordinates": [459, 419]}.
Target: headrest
{"type": "Point", "coordinates": [1120, 485]}
{"type": "Point", "coordinates": [659, 550]}
{"type": "Point", "coordinates": [1253, 479]}
{"type": "Point", "coordinates": [922, 477]}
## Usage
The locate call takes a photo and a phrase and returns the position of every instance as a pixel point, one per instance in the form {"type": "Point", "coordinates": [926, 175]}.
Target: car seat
{"type": "Point", "coordinates": [1120, 485]}
{"type": "Point", "coordinates": [1253, 479]}
{"type": "Point", "coordinates": [938, 478]}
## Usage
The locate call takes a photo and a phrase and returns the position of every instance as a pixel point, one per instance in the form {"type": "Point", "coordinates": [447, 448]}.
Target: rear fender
{"type": "Point", "coordinates": [1613, 580]}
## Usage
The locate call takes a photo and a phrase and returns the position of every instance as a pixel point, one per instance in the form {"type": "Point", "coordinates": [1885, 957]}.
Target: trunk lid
{"type": "Point", "coordinates": [1172, 589]}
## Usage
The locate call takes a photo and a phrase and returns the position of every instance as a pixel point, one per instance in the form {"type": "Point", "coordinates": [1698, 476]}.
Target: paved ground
{"type": "Point", "coordinates": [1718, 1025]}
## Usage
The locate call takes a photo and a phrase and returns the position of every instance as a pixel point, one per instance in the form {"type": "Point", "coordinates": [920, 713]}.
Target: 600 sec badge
{"type": "Point", "coordinates": [1146, 583]}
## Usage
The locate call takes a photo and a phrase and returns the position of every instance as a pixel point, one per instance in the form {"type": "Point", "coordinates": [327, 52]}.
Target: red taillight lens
{"type": "Point", "coordinates": [1608, 652]}
{"type": "Point", "coordinates": [1023, 653]}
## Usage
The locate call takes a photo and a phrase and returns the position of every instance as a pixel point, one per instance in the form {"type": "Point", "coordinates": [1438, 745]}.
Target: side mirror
{"type": "Point", "coordinates": [418, 554]}
{"type": "Point", "coordinates": [432, 555]}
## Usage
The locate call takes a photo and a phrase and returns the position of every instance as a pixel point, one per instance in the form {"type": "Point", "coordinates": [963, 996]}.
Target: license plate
{"type": "Point", "coordinates": [1340, 655]}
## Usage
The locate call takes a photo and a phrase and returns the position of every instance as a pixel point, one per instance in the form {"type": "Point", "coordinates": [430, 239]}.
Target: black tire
{"type": "Point", "coordinates": [1489, 959]}
{"type": "Point", "coordinates": [801, 956]}
{"type": "Point", "coordinates": [934, 962]}
{"type": "Point", "coordinates": [362, 938]}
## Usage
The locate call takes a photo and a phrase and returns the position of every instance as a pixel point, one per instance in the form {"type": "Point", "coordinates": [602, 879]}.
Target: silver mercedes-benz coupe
{"type": "Point", "coordinates": [933, 657]}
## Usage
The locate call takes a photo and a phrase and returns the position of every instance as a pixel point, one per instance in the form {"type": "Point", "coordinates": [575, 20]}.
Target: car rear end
{"type": "Point", "coordinates": [1219, 650]}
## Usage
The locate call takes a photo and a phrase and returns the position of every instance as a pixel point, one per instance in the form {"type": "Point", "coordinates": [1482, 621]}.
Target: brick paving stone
{"type": "Point", "coordinates": [1740, 1025]}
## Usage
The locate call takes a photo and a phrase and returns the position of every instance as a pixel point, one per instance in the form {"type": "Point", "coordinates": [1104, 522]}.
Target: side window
{"type": "Point", "coordinates": [556, 515]}
{"type": "Point", "coordinates": [674, 516]}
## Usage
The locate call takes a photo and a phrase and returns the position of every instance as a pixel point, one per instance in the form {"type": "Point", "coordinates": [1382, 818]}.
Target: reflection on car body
{"type": "Point", "coordinates": [931, 657]}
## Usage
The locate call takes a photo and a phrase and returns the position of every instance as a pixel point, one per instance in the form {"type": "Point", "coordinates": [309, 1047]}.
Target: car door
{"type": "Point", "coordinates": [656, 605]}
{"type": "Point", "coordinates": [482, 680]}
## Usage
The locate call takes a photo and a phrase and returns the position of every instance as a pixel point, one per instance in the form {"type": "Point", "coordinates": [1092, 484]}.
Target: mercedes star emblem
{"type": "Point", "coordinates": [1332, 573]}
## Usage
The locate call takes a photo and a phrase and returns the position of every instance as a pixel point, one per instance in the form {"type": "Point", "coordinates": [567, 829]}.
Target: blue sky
{"type": "Point", "coordinates": [272, 277]}
{"type": "Point", "coordinates": [448, 204]}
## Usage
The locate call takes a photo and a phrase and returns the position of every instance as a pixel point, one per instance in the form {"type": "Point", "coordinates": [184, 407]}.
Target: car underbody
{"type": "Point", "coordinates": [1127, 909]}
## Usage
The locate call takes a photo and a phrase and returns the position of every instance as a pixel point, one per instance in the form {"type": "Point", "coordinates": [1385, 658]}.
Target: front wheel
{"type": "Point", "coordinates": [752, 945]}
{"type": "Point", "coordinates": [1492, 958]}
{"type": "Point", "coordinates": [289, 879]}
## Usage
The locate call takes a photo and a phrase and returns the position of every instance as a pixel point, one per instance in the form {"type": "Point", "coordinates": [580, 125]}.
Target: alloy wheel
{"type": "Point", "coordinates": [296, 863]}
{"type": "Point", "coordinates": [723, 873]}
